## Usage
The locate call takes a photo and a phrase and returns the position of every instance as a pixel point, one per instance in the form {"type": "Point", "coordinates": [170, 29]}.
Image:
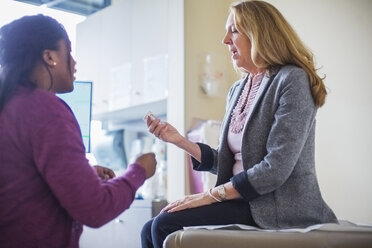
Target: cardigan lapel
{"type": "Point", "coordinates": [233, 101]}
{"type": "Point", "coordinates": [261, 91]}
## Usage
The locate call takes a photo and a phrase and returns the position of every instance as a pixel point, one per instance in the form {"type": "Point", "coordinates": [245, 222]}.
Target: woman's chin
{"type": "Point", "coordinates": [237, 65]}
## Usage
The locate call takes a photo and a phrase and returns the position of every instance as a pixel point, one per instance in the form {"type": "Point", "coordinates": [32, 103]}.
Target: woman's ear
{"type": "Point", "coordinates": [50, 58]}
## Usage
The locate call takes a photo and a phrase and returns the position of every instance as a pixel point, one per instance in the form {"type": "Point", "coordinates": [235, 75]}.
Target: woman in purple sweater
{"type": "Point", "coordinates": [48, 190]}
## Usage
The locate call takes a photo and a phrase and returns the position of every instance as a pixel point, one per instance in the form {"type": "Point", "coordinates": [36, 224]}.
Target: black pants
{"type": "Point", "coordinates": [157, 229]}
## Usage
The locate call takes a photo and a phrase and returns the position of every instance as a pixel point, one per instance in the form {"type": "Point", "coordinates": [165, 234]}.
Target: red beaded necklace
{"type": "Point", "coordinates": [245, 101]}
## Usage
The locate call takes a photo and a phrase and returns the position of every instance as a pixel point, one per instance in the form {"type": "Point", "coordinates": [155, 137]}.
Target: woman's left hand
{"type": "Point", "coordinates": [103, 172]}
{"type": "Point", "coordinates": [189, 201]}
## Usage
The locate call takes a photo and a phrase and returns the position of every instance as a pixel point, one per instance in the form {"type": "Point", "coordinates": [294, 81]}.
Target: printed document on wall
{"type": "Point", "coordinates": [155, 78]}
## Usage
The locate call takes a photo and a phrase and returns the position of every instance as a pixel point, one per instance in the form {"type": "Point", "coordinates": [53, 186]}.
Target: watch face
{"type": "Point", "coordinates": [221, 192]}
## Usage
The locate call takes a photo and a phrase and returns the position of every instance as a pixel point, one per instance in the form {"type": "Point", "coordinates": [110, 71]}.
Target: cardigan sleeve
{"type": "Point", "coordinates": [241, 183]}
{"type": "Point", "coordinates": [207, 158]}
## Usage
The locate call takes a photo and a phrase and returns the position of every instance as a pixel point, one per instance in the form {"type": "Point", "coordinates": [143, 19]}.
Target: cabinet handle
{"type": "Point", "coordinates": [119, 221]}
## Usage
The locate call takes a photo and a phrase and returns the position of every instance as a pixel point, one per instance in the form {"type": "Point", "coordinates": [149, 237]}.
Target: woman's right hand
{"type": "Point", "coordinates": [163, 130]}
{"type": "Point", "coordinates": [167, 133]}
{"type": "Point", "coordinates": [148, 162]}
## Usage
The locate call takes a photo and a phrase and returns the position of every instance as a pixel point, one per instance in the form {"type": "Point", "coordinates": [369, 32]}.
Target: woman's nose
{"type": "Point", "coordinates": [226, 39]}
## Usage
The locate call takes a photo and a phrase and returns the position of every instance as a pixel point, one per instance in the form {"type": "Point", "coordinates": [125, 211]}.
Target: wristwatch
{"type": "Point", "coordinates": [221, 192]}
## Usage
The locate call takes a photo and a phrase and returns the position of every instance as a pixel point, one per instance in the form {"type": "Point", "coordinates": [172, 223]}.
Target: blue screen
{"type": "Point", "coordinates": [80, 102]}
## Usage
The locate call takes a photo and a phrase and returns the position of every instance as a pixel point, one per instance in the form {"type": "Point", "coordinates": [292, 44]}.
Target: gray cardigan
{"type": "Point", "coordinates": [279, 180]}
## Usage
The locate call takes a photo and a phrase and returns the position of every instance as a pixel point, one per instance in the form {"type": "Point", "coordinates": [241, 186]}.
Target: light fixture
{"type": "Point", "coordinates": [81, 7]}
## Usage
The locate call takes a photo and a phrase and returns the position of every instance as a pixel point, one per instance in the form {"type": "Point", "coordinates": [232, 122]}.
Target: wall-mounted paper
{"type": "Point", "coordinates": [155, 78]}
{"type": "Point", "coordinates": [120, 87]}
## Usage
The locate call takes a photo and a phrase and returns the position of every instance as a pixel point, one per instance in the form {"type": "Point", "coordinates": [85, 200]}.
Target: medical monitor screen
{"type": "Point", "coordinates": [80, 102]}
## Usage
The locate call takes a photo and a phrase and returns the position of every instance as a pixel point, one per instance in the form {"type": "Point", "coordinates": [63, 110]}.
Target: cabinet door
{"type": "Point", "coordinates": [122, 232]}
{"type": "Point", "coordinates": [97, 237]}
{"type": "Point", "coordinates": [127, 227]}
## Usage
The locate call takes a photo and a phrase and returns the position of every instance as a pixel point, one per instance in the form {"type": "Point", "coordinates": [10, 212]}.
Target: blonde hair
{"type": "Point", "coordinates": [275, 43]}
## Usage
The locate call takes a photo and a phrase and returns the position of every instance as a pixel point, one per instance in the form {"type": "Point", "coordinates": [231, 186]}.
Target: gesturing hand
{"type": "Point", "coordinates": [103, 172]}
{"type": "Point", "coordinates": [148, 162]}
{"type": "Point", "coordinates": [162, 130]}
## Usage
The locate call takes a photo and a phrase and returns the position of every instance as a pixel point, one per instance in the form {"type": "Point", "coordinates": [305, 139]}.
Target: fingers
{"type": "Point", "coordinates": [175, 206]}
{"type": "Point", "coordinates": [146, 158]}
{"type": "Point", "coordinates": [178, 205]}
{"type": "Point", "coordinates": [107, 173]}
{"type": "Point", "coordinates": [155, 125]}
{"type": "Point", "coordinates": [149, 117]}
{"type": "Point", "coordinates": [190, 201]}
{"type": "Point", "coordinates": [148, 162]}
{"type": "Point", "coordinates": [160, 128]}
{"type": "Point", "coordinates": [104, 173]}
{"type": "Point", "coordinates": [110, 174]}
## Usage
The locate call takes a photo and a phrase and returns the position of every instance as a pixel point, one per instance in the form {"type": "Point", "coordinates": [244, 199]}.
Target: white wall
{"type": "Point", "coordinates": [176, 98]}
{"type": "Point", "coordinates": [339, 32]}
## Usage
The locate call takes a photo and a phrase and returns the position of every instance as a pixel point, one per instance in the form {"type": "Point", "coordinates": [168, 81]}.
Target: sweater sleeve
{"type": "Point", "coordinates": [241, 183]}
{"type": "Point", "coordinates": [207, 158]}
{"type": "Point", "coordinates": [59, 155]}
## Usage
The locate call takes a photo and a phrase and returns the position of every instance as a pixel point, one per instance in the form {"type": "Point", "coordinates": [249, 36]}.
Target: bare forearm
{"type": "Point", "coordinates": [190, 147]}
{"type": "Point", "coordinates": [202, 199]}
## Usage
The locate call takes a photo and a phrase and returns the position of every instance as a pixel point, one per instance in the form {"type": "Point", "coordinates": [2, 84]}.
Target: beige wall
{"type": "Point", "coordinates": [339, 32]}
{"type": "Point", "coordinates": [204, 28]}
{"type": "Point", "coordinates": [204, 31]}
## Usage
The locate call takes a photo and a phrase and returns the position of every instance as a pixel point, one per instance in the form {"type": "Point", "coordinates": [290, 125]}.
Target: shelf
{"type": "Point", "coordinates": [131, 117]}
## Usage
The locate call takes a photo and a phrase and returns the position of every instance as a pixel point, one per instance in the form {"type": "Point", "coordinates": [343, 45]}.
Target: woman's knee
{"type": "Point", "coordinates": [146, 229]}
{"type": "Point", "coordinates": [166, 223]}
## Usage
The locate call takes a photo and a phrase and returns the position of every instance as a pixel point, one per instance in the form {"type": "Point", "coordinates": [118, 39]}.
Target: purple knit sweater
{"type": "Point", "coordinates": [47, 187]}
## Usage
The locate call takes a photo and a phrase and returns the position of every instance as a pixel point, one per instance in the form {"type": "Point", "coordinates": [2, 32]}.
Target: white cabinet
{"type": "Point", "coordinates": [128, 33]}
{"type": "Point", "coordinates": [125, 230]}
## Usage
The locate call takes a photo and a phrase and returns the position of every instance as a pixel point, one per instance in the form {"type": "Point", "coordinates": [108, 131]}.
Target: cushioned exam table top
{"type": "Point", "coordinates": [343, 235]}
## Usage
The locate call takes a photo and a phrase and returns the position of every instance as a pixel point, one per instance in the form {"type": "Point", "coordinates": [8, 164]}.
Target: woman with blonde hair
{"type": "Point", "coordinates": [265, 159]}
